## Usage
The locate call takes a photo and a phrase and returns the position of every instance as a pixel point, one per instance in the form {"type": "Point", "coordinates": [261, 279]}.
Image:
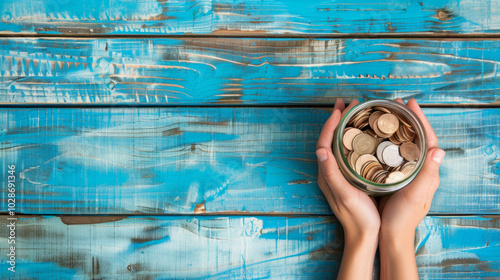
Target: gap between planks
{"type": "Point", "coordinates": [433, 36]}
{"type": "Point", "coordinates": [228, 214]}
{"type": "Point", "coordinates": [326, 106]}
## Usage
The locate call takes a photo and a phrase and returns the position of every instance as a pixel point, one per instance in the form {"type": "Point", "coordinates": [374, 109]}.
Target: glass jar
{"type": "Point", "coordinates": [369, 187]}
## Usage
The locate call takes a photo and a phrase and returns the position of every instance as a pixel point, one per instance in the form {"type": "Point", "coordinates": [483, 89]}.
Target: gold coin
{"type": "Point", "coordinates": [362, 160]}
{"type": "Point", "coordinates": [410, 151]}
{"type": "Point", "coordinates": [408, 167]}
{"type": "Point", "coordinates": [404, 122]}
{"type": "Point", "coordinates": [388, 123]}
{"type": "Point", "coordinates": [348, 157]}
{"type": "Point", "coordinates": [348, 136]}
{"type": "Point", "coordinates": [364, 144]}
{"type": "Point", "coordinates": [354, 157]}
{"type": "Point", "coordinates": [394, 177]}
{"type": "Point", "coordinates": [361, 121]}
{"type": "Point", "coordinates": [371, 132]}
{"type": "Point", "coordinates": [378, 132]}
{"type": "Point", "coordinates": [371, 170]}
{"type": "Point", "coordinates": [394, 140]}
{"type": "Point", "coordinates": [359, 115]}
{"type": "Point", "coordinates": [368, 168]}
{"type": "Point", "coordinates": [383, 109]}
{"type": "Point", "coordinates": [409, 132]}
{"type": "Point", "coordinates": [379, 176]}
{"type": "Point", "coordinates": [374, 117]}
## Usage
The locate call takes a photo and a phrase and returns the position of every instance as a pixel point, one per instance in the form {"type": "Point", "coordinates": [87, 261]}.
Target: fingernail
{"type": "Point", "coordinates": [438, 156]}
{"type": "Point", "coordinates": [321, 154]}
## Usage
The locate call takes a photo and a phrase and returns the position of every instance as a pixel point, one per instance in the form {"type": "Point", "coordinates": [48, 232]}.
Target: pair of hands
{"type": "Point", "coordinates": [389, 222]}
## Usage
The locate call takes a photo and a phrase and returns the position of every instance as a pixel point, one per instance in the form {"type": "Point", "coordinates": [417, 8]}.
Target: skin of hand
{"type": "Point", "coordinates": [402, 211]}
{"type": "Point", "coordinates": [356, 211]}
{"type": "Point", "coordinates": [391, 222]}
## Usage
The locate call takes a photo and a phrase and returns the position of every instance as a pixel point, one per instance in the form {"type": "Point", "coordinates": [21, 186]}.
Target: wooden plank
{"type": "Point", "coordinates": [232, 247]}
{"type": "Point", "coordinates": [195, 71]}
{"type": "Point", "coordinates": [213, 160]}
{"type": "Point", "coordinates": [252, 17]}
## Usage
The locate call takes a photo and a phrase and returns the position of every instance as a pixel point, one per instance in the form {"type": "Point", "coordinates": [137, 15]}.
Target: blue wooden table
{"type": "Point", "coordinates": [176, 139]}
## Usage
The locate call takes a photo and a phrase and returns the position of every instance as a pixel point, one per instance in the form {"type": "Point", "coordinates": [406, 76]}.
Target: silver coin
{"type": "Point", "coordinates": [391, 156]}
{"type": "Point", "coordinates": [381, 148]}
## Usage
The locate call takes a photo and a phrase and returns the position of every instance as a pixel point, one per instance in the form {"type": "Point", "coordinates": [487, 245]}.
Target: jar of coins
{"type": "Point", "coordinates": [380, 146]}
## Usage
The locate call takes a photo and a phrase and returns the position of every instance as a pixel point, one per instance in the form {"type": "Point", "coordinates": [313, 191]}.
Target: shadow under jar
{"type": "Point", "coordinates": [410, 127]}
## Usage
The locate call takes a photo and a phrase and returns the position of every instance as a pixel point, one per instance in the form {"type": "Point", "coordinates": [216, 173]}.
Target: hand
{"type": "Point", "coordinates": [356, 211]}
{"type": "Point", "coordinates": [402, 211]}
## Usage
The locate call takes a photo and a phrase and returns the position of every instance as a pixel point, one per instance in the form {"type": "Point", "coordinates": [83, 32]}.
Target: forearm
{"type": "Point", "coordinates": [358, 257]}
{"type": "Point", "coordinates": [397, 257]}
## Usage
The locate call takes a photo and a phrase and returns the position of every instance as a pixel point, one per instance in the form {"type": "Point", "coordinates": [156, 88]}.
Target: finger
{"type": "Point", "coordinates": [352, 104]}
{"type": "Point", "coordinates": [432, 140]}
{"type": "Point", "coordinates": [399, 100]}
{"type": "Point", "coordinates": [341, 189]}
{"type": "Point", "coordinates": [339, 104]}
{"type": "Point", "coordinates": [427, 180]}
{"type": "Point", "coordinates": [326, 135]}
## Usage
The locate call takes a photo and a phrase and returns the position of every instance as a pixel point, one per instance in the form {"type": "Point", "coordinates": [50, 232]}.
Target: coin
{"type": "Point", "coordinates": [376, 144]}
{"type": "Point", "coordinates": [364, 144]}
{"type": "Point", "coordinates": [383, 109]}
{"type": "Point", "coordinates": [394, 139]}
{"type": "Point", "coordinates": [378, 132]}
{"type": "Point", "coordinates": [354, 157]}
{"type": "Point", "coordinates": [380, 149]}
{"type": "Point", "coordinates": [348, 136]}
{"type": "Point", "coordinates": [362, 160]}
{"type": "Point", "coordinates": [374, 117]}
{"type": "Point", "coordinates": [394, 177]}
{"type": "Point", "coordinates": [410, 151]}
{"type": "Point", "coordinates": [404, 122]}
{"type": "Point", "coordinates": [371, 132]}
{"type": "Point", "coordinates": [371, 169]}
{"type": "Point", "coordinates": [391, 156]}
{"type": "Point", "coordinates": [380, 176]}
{"type": "Point", "coordinates": [408, 168]}
{"type": "Point", "coordinates": [388, 123]}
{"type": "Point", "coordinates": [359, 118]}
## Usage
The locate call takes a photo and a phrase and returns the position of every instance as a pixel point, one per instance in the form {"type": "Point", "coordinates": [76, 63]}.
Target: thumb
{"type": "Point", "coordinates": [428, 177]}
{"type": "Point", "coordinates": [331, 172]}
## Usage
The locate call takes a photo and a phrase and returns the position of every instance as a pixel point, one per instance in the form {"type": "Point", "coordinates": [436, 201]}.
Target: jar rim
{"type": "Point", "coordinates": [410, 116]}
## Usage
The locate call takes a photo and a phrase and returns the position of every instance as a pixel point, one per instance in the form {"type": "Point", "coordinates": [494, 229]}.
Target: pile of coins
{"type": "Point", "coordinates": [379, 146]}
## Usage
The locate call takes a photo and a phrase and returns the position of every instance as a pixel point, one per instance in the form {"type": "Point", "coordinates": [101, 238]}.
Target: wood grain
{"type": "Point", "coordinates": [249, 17]}
{"type": "Point", "coordinates": [200, 71]}
{"type": "Point", "coordinates": [213, 160]}
{"type": "Point", "coordinates": [234, 247]}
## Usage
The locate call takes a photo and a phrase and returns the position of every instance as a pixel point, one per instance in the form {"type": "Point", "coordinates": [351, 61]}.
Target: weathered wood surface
{"type": "Point", "coordinates": [232, 247]}
{"type": "Point", "coordinates": [252, 17]}
{"type": "Point", "coordinates": [192, 160]}
{"type": "Point", "coordinates": [193, 71]}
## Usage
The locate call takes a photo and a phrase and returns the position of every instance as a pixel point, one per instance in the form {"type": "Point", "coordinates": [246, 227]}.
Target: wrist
{"type": "Point", "coordinates": [397, 243]}
{"type": "Point", "coordinates": [365, 242]}
{"type": "Point", "coordinates": [364, 237]}
{"type": "Point", "coordinates": [397, 255]}
{"type": "Point", "coordinates": [360, 248]}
